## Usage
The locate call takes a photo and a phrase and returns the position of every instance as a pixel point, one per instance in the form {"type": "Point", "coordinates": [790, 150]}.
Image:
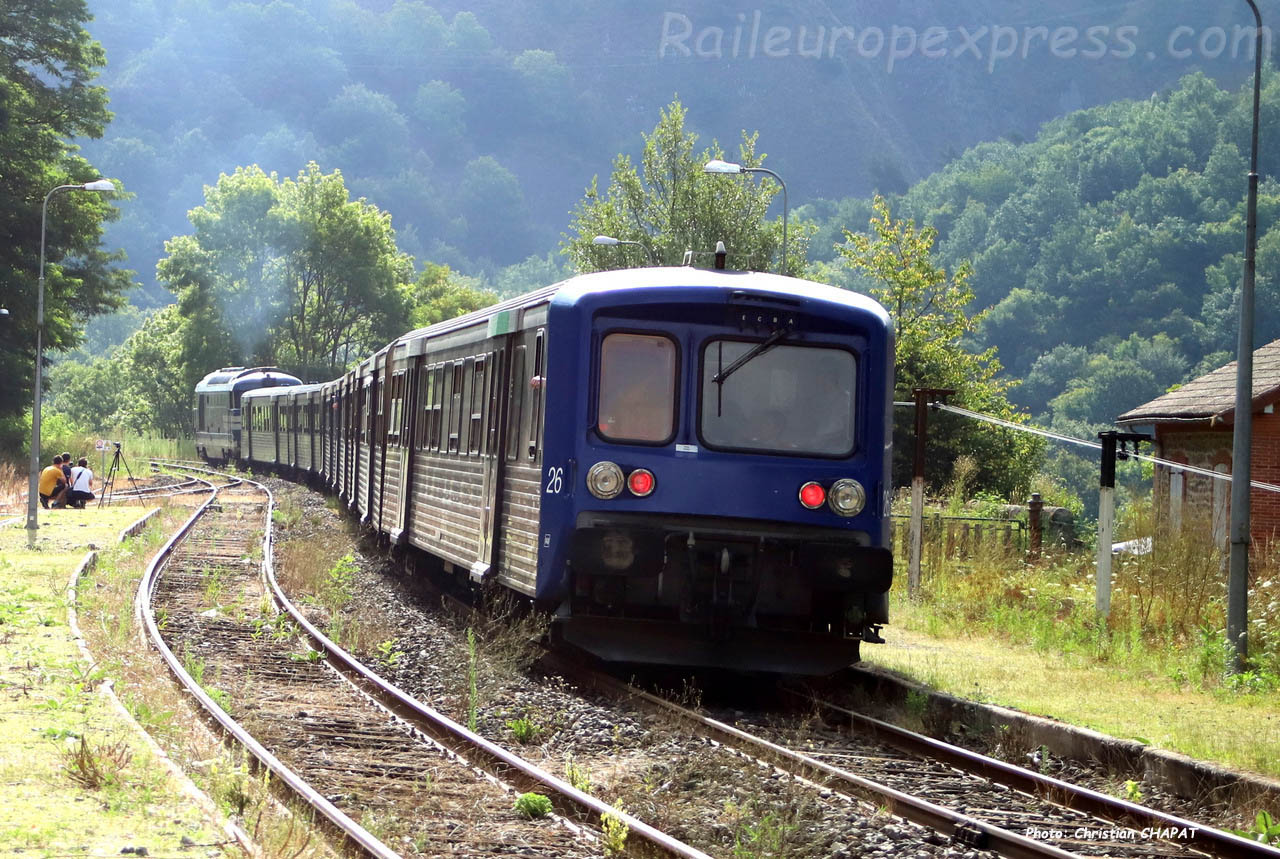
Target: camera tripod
{"type": "Point", "coordinates": [108, 483]}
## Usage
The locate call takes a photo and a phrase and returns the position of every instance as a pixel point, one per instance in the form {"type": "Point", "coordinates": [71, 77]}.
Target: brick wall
{"type": "Point", "coordinates": [1209, 447]}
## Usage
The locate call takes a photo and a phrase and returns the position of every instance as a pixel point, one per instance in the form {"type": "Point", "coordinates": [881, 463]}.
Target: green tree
{"type": "Point", "coordinates": [931, 318]}
{"type": "Point", "coordinates": [441, 293]}
{"type": "Point", "coordinates": [293, 273]}
{"type": "Point", "coordinates": [341, 275]}
{"type": "Point", "coordinates": [47, 99]}
{"type": "Point", "coordinates": [158, 388]}
{"type": "Point", "coordinates": [671, 206]}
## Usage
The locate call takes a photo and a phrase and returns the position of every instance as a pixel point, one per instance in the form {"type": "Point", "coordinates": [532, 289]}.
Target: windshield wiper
{"type": "Point", "coordinates": [759, 349]}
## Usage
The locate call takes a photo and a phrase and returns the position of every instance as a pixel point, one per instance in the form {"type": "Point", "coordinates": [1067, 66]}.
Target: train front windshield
{"type": "Point", "coordinates": [788, 399]}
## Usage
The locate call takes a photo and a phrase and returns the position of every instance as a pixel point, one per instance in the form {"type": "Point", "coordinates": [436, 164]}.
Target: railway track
{"type": "Point", "coordinates": [369, 767]}
{"type": "Point", "coordinates": [974, 800]}
{"type": "Point", "coordinates": [347, 744]}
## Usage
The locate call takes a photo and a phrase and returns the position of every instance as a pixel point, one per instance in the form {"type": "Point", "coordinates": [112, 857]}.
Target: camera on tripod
{"type": "Point", "coordinates": [108, 482]}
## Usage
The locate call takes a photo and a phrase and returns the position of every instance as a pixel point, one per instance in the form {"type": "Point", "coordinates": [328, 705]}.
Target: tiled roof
{"type": "Point", "coordinates": [1212, 397]}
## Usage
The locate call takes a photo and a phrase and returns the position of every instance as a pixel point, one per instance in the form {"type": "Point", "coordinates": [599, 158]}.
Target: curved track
{"type": "Point", "coordinates": [977, 801]}
{"type": "Point", "coordinates": [350, 747]}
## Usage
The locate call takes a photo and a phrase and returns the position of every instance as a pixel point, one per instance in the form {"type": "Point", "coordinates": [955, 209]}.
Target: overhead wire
{"type": "Point", "coordinates": [1066, 439]}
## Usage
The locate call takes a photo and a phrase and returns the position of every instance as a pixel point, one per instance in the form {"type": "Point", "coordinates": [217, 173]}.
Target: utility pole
{"type": "Point", "coordinates": [1242, 432]}
{"type": "Point", "coordinates": [1107, 509]}
{"type": "Point", "coordinates": [923, 397]}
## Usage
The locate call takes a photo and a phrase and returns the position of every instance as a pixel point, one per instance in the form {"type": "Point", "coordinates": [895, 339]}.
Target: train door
{"type": "Point", "coordinates": [315, 431]}
{"type": "Point", "coordinates": [488, 419]}
{"type": "Point", "coordinates": [275, 430]}
{"type": "Point", "coordinates": [407, 418]}
{"type": "Point", "coordinates": [373, 438]}
{"type": "Point", "coordinates": [359, 432]}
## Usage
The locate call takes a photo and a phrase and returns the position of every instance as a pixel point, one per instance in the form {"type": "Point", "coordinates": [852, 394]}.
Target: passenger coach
{"type": "Point", "coordinates": [217, 411]}
{"type": "Point", "coordinates": [684, 466]}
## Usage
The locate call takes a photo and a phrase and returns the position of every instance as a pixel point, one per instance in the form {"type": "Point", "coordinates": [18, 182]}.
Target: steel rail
{"type": "Point", "coordinates": [962, 828]}
{"type": "Point", "coordinates": [568, 800]}
{"type": "Point", "coordinates": [351, 831]}
{"type": "Point", "coordinates": [1082, 799]}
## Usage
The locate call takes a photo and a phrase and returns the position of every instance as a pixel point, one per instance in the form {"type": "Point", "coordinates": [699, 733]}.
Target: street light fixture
{"type": "Point", "coordinates": [611, 241]}
{"type": "Point", "coordinates": [715, 165]}
{"type": "Point", "coordinates": [33, 485]}
{"type": "Point", "coordinates": [1242, 434]}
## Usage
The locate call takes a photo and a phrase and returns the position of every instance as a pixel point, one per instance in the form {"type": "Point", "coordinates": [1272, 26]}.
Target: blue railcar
{"type": "Point", "coordinates": [216, 412]}
{"type": "Point", "coordinates": [683, 466]}
{"type": "Point", "coordinates": [757, 535]}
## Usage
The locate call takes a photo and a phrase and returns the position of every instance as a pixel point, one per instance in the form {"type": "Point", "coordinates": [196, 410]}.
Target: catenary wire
{"type": "Point", "coordinates": [1066, 439]}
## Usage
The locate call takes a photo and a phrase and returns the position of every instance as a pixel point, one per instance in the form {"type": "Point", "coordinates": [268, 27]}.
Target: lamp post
{"type": "Point", "coordinates": [1242, 436]}
{"type": "Point", "coordinates": [715, 165]}
{"type": "Point", "coordinates": [34, 480]}
{"type": "Point", "coordinates": [611, 241]}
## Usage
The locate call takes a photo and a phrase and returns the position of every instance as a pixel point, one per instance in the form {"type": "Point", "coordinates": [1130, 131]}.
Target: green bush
{"type": "Point", "coordinates": [533, 805]}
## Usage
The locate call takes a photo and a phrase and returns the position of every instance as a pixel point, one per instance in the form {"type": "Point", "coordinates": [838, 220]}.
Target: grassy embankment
{"type": "Point", "coordinates": [77, 779]}
{"type": "Point", "coordinates": [998, 628]}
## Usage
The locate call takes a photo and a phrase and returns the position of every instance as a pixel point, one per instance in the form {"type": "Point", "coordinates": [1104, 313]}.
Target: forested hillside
{"type": "Point", "coordinates": [1109, 248]}
{"type": "Point", "coordinates": [477, 125]}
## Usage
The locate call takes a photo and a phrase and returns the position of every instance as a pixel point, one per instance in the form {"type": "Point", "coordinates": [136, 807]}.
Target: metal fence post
{"type": "Point", "coordinates": [1034, 510]}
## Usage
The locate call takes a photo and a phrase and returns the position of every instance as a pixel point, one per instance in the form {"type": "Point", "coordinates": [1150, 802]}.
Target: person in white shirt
{"type": "Point", "coordinates": [81, 485]}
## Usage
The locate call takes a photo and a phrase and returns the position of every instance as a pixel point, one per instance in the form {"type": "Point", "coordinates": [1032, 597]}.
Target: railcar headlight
{"type": "Point", "coordinates": [604, 480]}
{"type": "Point", "coordinates": [847, 497]}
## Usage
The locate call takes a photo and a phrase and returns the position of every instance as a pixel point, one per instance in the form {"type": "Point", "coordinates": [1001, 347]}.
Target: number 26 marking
{"type": "Point", "coordinates": [555, 480]}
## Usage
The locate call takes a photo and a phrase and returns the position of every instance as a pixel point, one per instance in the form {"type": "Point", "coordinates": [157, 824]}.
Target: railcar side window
{"type": "Point", "coordinates": [475, 433]}
{"type": "Point", "coordinates": [539, 384]}
{"type": "Point", "coordinates": [515, 409]}
{"type": "Point", "coordinates": [495, 401]}
{"type": "Point", "coordinates": [424, 397]}
{"type": "Point", "coordinates": [455, 406]}
{"type": "Point", "coordinates": [787, 399]}
{"type": "Point", "coordinates": [364, 413]}
{"type": "Point", "coordinates": [637, 391]}
{"type": "Point", "coordinates": [396, 417]}
{"type": "Point", "coordinates": [437, 407]}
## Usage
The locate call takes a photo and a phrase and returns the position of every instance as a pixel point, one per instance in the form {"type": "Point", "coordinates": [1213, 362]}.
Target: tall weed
{"type": "Point", "coordinates": [1167, 605]}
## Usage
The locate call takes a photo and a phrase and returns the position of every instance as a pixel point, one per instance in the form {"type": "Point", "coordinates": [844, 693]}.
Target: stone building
{"type": "Point", "coordinates": [1194, 425]}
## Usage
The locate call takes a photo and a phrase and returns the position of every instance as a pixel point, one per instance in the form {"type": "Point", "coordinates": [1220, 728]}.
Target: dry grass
{"type": "Point", "coordinates": [96, 765]}
{"type": "Point", "coordinates": [13, 489]}
{"type": "Point", "coordinates": [147, 690]}
{"type": "Point", "coordinates": [1027, 635]}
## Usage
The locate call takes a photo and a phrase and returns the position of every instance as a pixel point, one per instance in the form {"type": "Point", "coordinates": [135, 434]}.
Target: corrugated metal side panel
{"type": "Point", "coordinates": [358, 484]}
{"type": "Point", "coordinates": [391, 490]}
{"type": "Point", "coordinates": [518, 534]}
{"type": "Point", "coordinates": [376, 477]}
{"type": "Point", "coordinates": [446, 507]}
{"type": "Point", "coordinates": [304, 450]}
{"type": "Point", "coordinates": [322, 445]}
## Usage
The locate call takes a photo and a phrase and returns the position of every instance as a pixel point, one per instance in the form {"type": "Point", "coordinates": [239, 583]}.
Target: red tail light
{"type": "Point", "coordinates": [641, 482]}
{"type": "Point", "coordinates": [812, 495]}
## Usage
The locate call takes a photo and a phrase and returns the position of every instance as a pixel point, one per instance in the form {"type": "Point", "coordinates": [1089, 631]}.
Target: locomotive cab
{"type": "Point", "coordinates": [732, 465]}
{"type": "Point", "coordinates": [216, 412]}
